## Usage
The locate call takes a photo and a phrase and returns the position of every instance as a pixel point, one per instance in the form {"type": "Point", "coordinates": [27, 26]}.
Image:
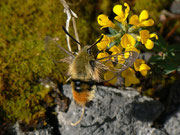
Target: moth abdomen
{"type": "Point", "coordinates": [83, 91]}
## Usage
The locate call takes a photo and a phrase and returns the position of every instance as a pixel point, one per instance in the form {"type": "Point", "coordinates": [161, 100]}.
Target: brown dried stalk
{"type": "Point", "coordinates": [70, 14]}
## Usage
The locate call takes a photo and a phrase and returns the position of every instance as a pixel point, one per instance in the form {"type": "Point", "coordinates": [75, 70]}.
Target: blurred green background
{"type": "Point", "coordinates": [24, 61]}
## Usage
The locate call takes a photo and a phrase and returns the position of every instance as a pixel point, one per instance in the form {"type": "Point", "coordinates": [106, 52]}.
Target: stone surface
{"type": "Point", "coordinates": [113, 112]}
{"type": "Point", "coordinates": [172, 125]}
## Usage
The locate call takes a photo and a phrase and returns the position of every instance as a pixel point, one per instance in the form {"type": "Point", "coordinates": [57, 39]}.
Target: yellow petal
{"type": "Point", "coordinates": [121, 15]}
{"type": "Point", "coordinates": [135, 80]}
{"type": "Point", "coordinates": [128, 51]}
{"type": "Point", "coordinates": [103, 44]}
{"type": "Point", "coordinates": [130, 48]}
{"type": "Point", "coordinates": [149, 44]}
{"type": "Point", "coordinates": [134, 20]}
{"type": "Point", "coordinates": [127, 82]}
{"type": "Point", "coordinates": [138, 38]}
{"type": "Point", "coordinates": [109, 75]}
{"type": "Point", "coordinates": [120, 19]}
{"type": "Point", "coordinates": [138, 63]}
{"type": "Point", "coordinates": [115, 49]}
{"type": "Point", "coordinates": [153, 35]}
{"type": "Point", "coordinates": [143, 16]}
{"type": "Point", "coordinates": [118, 10]}
{"type": "Point", "coordinates": [127, 72]}
{"type": "Point", "coordinates": [144, 36]}
{"type": "Point", "coordinates": [144, 72]}
{"type": "Point", "coordinates": [102, 55]}
{"type": "Point", "coordinates": [120, 47]}
{"type": "Point", "coordinates": [127, 39]}
{"type": "Point", "coordinates": [104, 21]}
{"type": "Point", "coordinates": [121, 59]}
{"type": "Point", "coordinates": [126, 10]}
{"type": "Point", "coordinates": [130, 77]}
{"type": "Point", "coordinates": [144, 67]}
{"type": "Point", "coordinates": [149, 22]}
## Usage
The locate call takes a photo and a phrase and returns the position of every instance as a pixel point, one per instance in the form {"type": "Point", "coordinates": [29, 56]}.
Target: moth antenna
{"type": "Point", "coordinates": [96, 42]}
{"type": "Point", "coordinates": [82, 114]}
{"type": "Point", "coordinates": [71, 36]}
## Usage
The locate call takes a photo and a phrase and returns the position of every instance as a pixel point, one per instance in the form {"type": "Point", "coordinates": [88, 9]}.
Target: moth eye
{"type": "Point", "coordinates": [92, 63]}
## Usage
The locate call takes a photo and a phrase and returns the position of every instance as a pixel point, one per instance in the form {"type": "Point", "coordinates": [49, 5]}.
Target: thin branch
{"type": "Point", "coordinates": [70, 14]}
{"type": "Point", "coordinates": [75, 32]}
{"type": "Point", "coordinates": [172, 30]}
{"type": "Point", "coordinates": [168, 16]}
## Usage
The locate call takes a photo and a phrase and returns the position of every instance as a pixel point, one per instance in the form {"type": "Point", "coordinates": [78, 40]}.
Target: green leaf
{"type": "Point", "coordinates": [137, 44]}
{"type": "Point", "coordinates": [112, 31]}
{"type": "Point", "coordinates": [160, 45]}
{"type": "Point", "coordinates": [178, 69]}
{"type": "Point", "coordinates": [169, 69]}
{"type": "Point", "coordinates": [155, 59]}
{"type": "Point", "coordinates": [115, 42]}
{"type": "Point", "coordinates": [110, 35]}
{"type": "Point", "coordinates": [119, 25]}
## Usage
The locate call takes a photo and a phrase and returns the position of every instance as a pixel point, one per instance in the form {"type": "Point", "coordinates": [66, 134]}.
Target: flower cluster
{"type": "Point", "coordinates": [124, 36]}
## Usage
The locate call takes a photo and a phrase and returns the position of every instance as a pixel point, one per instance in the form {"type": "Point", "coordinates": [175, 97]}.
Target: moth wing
{"type": "Point", "coordinates": [117, 63]}
{"type": "Point", "coordinates": [56, 52]}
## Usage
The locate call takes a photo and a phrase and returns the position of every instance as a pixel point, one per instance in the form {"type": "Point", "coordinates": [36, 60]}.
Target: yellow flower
{"type": "Point", "coordinates": [117, 50]}
{"type": "Point", "coordinates": [102, 55]}
{"type": "Point", "coordinates": [121, 15]}
{"type": "Point", "coordinates": [130, 77]}
{"type": "Point", "coordinates": [104, 42]}
{"type": "Point", "coordinates": [145, 38]}
{"type": "Point", "coordinates": [143, 69]}
{"type": "Point", "coordinates": [126, 40]}
{"type": "Point", "coordinates": [129, 49]}
{"type": "Point", "coordinates": [139, 65]}
{"type": "Point", "coordinates": [141, 20]}
{"type": "Point", "coordinates": [104, 21]}
{"type": "Point", "coordinates": [109, 75]}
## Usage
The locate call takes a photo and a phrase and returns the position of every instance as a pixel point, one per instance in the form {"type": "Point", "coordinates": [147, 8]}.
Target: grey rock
{"type": "Point", "coordinates": [17, 131]}
{"type": "Point", "coordinates": [172, 125]}
{"type": "Point", "coordinates": [113, 112]}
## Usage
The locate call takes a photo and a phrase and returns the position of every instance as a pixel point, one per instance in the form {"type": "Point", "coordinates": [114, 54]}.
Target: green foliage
{"type": "Point", "coordinates": [168, 59]}
{"type": "Point", "coordinates": [23, 59]}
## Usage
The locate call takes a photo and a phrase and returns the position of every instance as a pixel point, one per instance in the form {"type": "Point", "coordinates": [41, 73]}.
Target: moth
{"type": "Point", "coordinates": [85, 70]}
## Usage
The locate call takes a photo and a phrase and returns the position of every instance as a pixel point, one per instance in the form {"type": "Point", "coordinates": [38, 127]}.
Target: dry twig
{"type": "Point", "coordinates": [70, 14]}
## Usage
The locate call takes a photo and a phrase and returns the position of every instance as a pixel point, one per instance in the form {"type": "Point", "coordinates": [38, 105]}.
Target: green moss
{"type": "Point", "coordinates": [23, 59]}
